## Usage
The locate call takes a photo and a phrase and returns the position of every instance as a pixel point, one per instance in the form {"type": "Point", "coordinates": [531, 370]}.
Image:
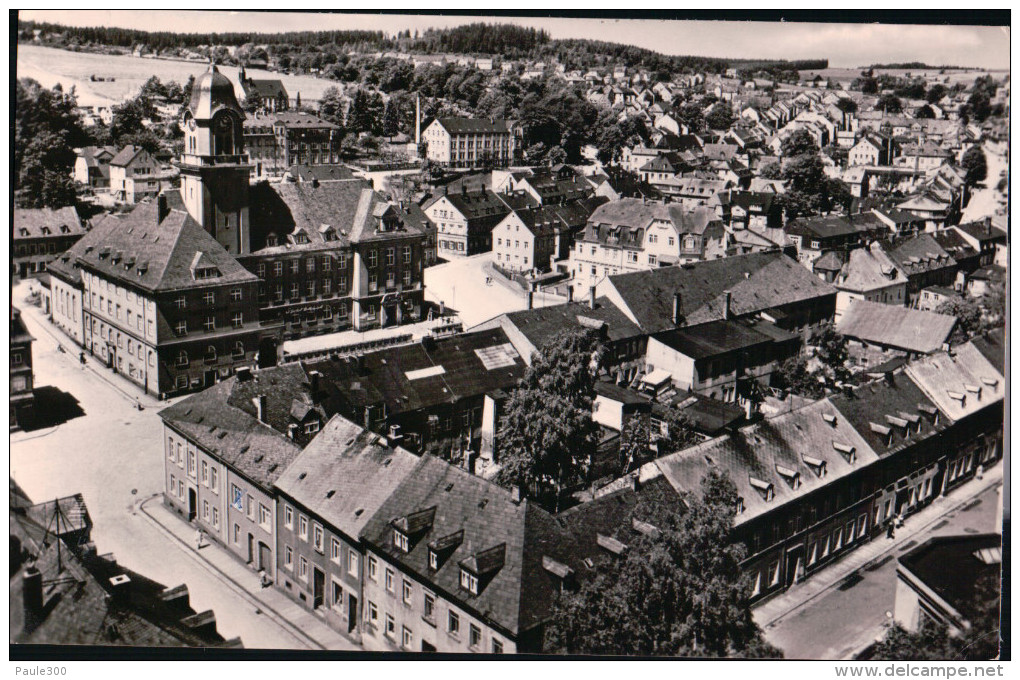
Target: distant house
{"type": "Point", "coordinates": [987, 239]}
{"type": "Point", "coordinates": [134, 174]}
{"type": "Point", "coordinates": [469, 142]}
{"type": "Point", "coordinates": [92, 166]}
{"type": "Point", "coordinates": [40, 234]}
{"type": "Point", "coordinates": [268, 95]}
{"type": "Point", "coordinates": [464, 221]}
{"type": "Point", "coordinates": [870, 275]}
{"type": "Point", "coordinates": [891, 327]}
{"type": "Point", "coordinates": [532, 239]}
{"type": "Point", "coordinates": [869, 151]}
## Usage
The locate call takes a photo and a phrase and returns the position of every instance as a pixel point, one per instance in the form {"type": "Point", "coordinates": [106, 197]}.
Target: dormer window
{"type": "Point", "coordinates": [829, 418]}
{"type": "Point", "coordinates": [611, 545]}
{"type": "Point", "coordinates": [433, 560]}
{"type": "Point", "coordinates": [975, 390]}
{"type": "Point", "coordinates": [468, 581]}
{"type": "Point", "coordinates": [931, 411]}
{"type": "Point", "coordinates": [766, 489]}
{"type": "Point", "coordinates": [792, 477]}
{"type": "Point", "coordinates": [270, 240]}
{"type": "Point", "coordinates": [899, 422]}
{"type": "Point", "coordinates": [991, 382]}
{"type": "Point", "coordinates": [848, 452]}
{"type": "Point", "coordinates": [644, 528]}
{"type": "Point", "coordinates": [740, 505]}
{"type": "Point", "coordinates": [817, 465]}
{"type": "Point", "coordinates": [401, 541]}
{"type": "Point", "coordinates": [958, 396]}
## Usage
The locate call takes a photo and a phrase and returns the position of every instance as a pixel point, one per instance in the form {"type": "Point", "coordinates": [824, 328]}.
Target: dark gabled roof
{"type": "Point", "coordinates": [953, 243]}
{"type": "Point", "coordinates": [982, 231]}
{"type": "Point", "coordinates": [950, 566]}
{"type": "Point", "coordinates": [822, 227]}
{"type": "Point", "coordinates": [505, 540]}
{"type": "Point", "coordinates": [992, 346]}
{"type": "Point", "coordinates": [127, 155]}
{"type": "Point", "coordinates": [321, 173]}
{"type": "Point", "coordinates": [222, 421]}
{"type": "Point", "coordinates": [829, 262]}
{"type": "Point", "coordinates": [710, 416]}
{"type": "Point", "coordinates": [60, 222]}
{"type": "Point", "coordinates": [917, 254]}
{"type": "Point", "coordinates": [264, 88]}
{"type": "Point", "coordinates": [541, 324]}
{"type": "Point", "coordinates": [162, 253]}
{"type": "Point", "coordinates": [756, 201]}
{"type": "Point", "coordinates": [452, 369]}
{"type": "Point", "coordinates": [903, 328]}
{"type": "Point", "coordinates": [345, 474]}
{"type": "Point", "coordinates": [456, 126]}
{"type": "Point", "coordinates": [299, 120]}
{"type": "Point", "coordinates": [868, 269]}
{"type": "Point", "coordinates": [485, 207]}
{"type": "Point", "coordinates": [895, 395]}
{"type": "Point", "coordinates": [992, 272]}
{"type": "Point", "coordinates": [712, 339]}
{"type": "Point", "coordinates": [757, 281]}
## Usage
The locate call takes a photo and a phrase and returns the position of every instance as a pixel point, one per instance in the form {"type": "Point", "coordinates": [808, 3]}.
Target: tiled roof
{"type": "Point", "coordinates": [917, 254]}
{"type": "Point", "coordinates": [264, 88]}
{"type": "Point", "coordinates": [982, 231]}
{"type": "Point", "coordinates": [903, 328]}
{"type": "Point", "coordinates": [221, 420]}
{"type": "Point", "coordinates": [796, 441]}
{"type": "Point", "coordinates": [60, 222]}
{"type": "Point", "coordinates": [152, 255]}
{"type": "Point", "coordinates": [456, 126]}
{"type": "Point", "coordinates": [823, 227]}
{"type": "Point", "coordinates": [894, 396]}
{"type": "Point", "coordinates": [127, 155]}
{"type": "Point", "coordinates": [992, 346]}
{"type": "Point", "coordinates": [345, 474]}
{"type": "Point", "coordinates": [484, 206]}
{"type": "Point", "coordinates": [515, 596]}
{"type": "Point", "coordinates": [322, 173]}
{"type": "Point", "coordinates": [757, 281]}
{"type": "Point", "coordinates": [382, 377]}
{"type": "Point", "coordinates": [829, 262]}
{"type": "Point", "coordinates": [959, 384]}
{"type": "Point", "coordinates": [868, 269]}
{"type": "Point", "coordinates": [713, 339]}
{"type": "Point", "coordinates": [954, 244]}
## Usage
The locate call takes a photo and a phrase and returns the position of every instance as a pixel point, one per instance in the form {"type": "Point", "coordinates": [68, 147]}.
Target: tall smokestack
{"type": "Point", "coordinates": [417, 120]}
{"type": "Point", "coordinates": [726, 309]}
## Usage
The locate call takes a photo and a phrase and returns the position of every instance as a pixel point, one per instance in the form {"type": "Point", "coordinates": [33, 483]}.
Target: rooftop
{"type": "Point", "coordinates": [894, 326]}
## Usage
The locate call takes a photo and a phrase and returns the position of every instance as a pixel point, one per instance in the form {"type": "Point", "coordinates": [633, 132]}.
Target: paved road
{"type": "Point", "coordinates": [112, 455]}
{"type": "Point", "coordinates": [460, 285]}
{"type": "Point", "coordinates": [984, 200]}
{"type": "Point", "coordinates": [845, 618]}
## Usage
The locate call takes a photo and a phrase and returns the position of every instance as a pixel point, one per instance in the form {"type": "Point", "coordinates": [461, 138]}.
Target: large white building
{"type": "Point", "coordinates": [469, 142]}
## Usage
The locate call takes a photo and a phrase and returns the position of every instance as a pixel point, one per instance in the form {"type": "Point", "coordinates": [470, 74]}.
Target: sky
{"type": "Point", "coordinates": [844, 45]}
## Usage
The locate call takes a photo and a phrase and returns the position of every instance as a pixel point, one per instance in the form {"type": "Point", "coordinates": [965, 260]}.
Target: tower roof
{"type": "Point", "coordinates": [213, 91]}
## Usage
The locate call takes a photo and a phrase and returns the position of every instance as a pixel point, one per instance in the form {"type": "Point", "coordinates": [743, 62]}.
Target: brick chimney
{"type": "Point", "coordinates": [162, 207]}
{"type": "Point", "coordinates": [677, 308]}
{"type": "Point", "coordinates": [260, 407]}
{"type": "Point", "coordinates": [726, 304]}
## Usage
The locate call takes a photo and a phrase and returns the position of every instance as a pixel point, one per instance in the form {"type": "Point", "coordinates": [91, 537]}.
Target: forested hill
{"type": "Point", "coordinates": [503, 40]}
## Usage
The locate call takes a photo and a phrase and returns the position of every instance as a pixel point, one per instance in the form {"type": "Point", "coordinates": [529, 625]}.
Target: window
{"type": "Point", "coordinates": [338, 595]}
{"type": "Point", "coordinates": [214, 482]}
{"type": "Point", "coordinates": [310, 286]}
{"type": "Point", "coordinates": [389, 580]}
{"type": "Point", "coordinates": [215, 517]}
{"type": "Point", "coordinates": [288, 555]}
{"type": "Point", "coordinates": [408, 638]}
{"type": "Point", "coordinates": [295, 266]}
{"type": "Point", "coordinates": [474, 635]}
{"type": "Point", "coordinates": [317, 537]}
{"type": "Point", "coordinates": [236, 497]}
{"type": "Point", "coordinates": [209, 298]}
{"type": "Point", "coordinates": [429, 606]}
{"type": "Point", "coordinates": [774, 571]}
{"type": "Point", "coordinates": [237, 319]}
{"type": "Point", "coordinates": [210, 323]}
{"type": "Point", "coordinates": [390, 626]}
{"type": "Point", "coordinates": [373, 258]}
{"type": "Point", "coordinates": [433, 560]}
{"type": "Point", "coordinates": [352, 563]}
{"type": "Point", "coordinates": [453, 623]}
{"type": "Point", "coordinates": [278, 268]}
{"type": "Point", "coordinates": [400, 540]}
{"type": "Point", "coordinates": [373, 568]}
{"type": "Point", "coordinates": [205, 473]}
{"type": "Point", "coordinates": [497, 646]}
{"type": "Point", "coordinates": [406, 592]}
{"type": "Point", "coordinates": [389, 257]}
{"type": "Point", "coordinates": [250, 507]}
{"type": "Point", "coordinates": [261, 270]}
{"type": "Point", "coordinates": [373, 282]}
{"type": "Point", "coordinates": [407, 254]}
{"type": "Point", "coordinates": [173, 484]}
{"type": "Point", "coordinates": [295, 290]}
{"type": "Point", "coordinates": [205, 510]}
{"type": "Point", "coordinates": [288, 516]}
{"type": "Point", "coordinates": [327, 263]}
{"type": "Point", "coordinates": [303, 527]}
{"type": "Point", "coordinates": [469, 581]}
{"type": "Point", "coordinates": [265, 517]}
{"type": "Point", "coordinates": [180, 302]}
{"type": "Point", "coordinates": [182, 360]}
{"type": "Point", "coordinates": [235, 294]}
{"type": "Point", "coordinates": [303, 569]}
{"type": "Point", "coordinates": [373, 614]}
{"type": "Point", "coordinates": [407, 277]}
{"type": "Point", "coordinates": [334, 550]}
{"type": "Point", "coordinates": [310, 265]}
{"type": "Point", "coordinates": [191, 464]}
{"type": "Point", "coordinates": [327, 286]}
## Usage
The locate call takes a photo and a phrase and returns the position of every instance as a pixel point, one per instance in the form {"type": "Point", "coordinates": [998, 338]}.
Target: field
{"type": "Point", "coordinates": [50, 66]}
{"type": "Point", "coordinates": [847, 75]}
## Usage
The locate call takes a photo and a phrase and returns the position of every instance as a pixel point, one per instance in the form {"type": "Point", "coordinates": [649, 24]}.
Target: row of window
{"type": "Point", "coordinates": [134, 348]}
{"type": "Point", "coordinates": [245, 502]}
{"type": "Point", "coordinates": [209, 298]}
{"type": "Point", "coordinates": [181, 327]}
{"type": "Point", "coordinates": [310, 289]}
{"type": "Point", "coordinates": [40, 249]}
{"type": "Point", "coordinates": [183, 359]}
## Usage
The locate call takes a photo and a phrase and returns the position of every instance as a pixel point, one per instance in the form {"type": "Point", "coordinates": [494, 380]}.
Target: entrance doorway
{"type": "Point", "coordinates": [210, 378]}
{"type": "Point", "coordinates": [192, 504]}
{"type": "Point", "coordinates": [389, 315]}
{"type": "Point", "coordinates": [352, 613]}
{"type": "Point", "coordinates": [265, 559]}
{"type": "Point", "coordinates": [794, 565]}
{"type": "Point", "coordinates": [318, 587]}
{"type": "Point", "coordinates": [251, 548]}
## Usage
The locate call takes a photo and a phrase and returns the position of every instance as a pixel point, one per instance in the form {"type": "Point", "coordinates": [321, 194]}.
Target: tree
{"type": "Point", "coordinates": [793, 376]}
{"type": "Point", "coordinates": [832, 353]}
{"type": "Point", "coordinates": [46, 129]}
{"type": "Point", "coordinates": [798, 144]}
{"type": "Point", "coordinates": [681, 592]}
{"type": "Point", "coordinates": [250, 104]}
{"type": "Point", "coordinates": [925, 112]}
{"type": "Point", "coordinates": [332, 105]}
{"type": "Point", "coordinates": [935, 93]}
{"type": "Point", "coordinates": [771, 171]}
{"type": "Point", "coordinates": [979, 107]}
{"type": "Point", "coordinates": [720, 117]}
{"type": "Point", "coordinates": [890, 103]}
{"type": "Point", "coordinates": [968, 317]}
{"type": "Point", "coordinates": [975, 165]}
{"type": "Point", "coordinates": [691, 115]}
{"type": "Point", "coordinates": [547, 436]}
{"type": "Point", "coordinates": [848, 107]}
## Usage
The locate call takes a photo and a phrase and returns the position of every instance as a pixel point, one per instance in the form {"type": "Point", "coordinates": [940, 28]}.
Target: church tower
{"type": "Point", "coordinates": [214, 167]}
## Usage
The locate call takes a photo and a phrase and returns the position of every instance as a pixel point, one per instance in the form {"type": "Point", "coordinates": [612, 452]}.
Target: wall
{"type": "Point", "coordinates": [66, 309]}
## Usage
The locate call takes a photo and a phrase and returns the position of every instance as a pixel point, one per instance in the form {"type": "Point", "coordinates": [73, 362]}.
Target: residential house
{"type": "Point", "coordinates": [325, 498]}
{"type": "Point", "coordinates": [893, 329]}
{"type": "Point", "coordinates": [40, 234]}
{"type": "Point", "coordinates": [757, 211]}
{"type": "Point", "coordinates": [923, 261]}
{"type": "Point", "coordinates": [464, 221]}
{"type": "Point", "coordinates": [922, 156]}
{"type": "Point", "coordinates": [870, 150]}
{"type": "Point", "coordinates": [22, 378]}
{"type": "Point", "coordinates": [869, 274]}
{"type": "Point", "coordinates": [276, 141]}
{"type": "Point", "coordinates": [989, 240]}
{"type": "Point", "coordinates": [134, 174]}
{"type": "Point", "coordinates": [267, 95]}
{"type": "Point", "coordinates": [814, 236]}
{"type": "Point", "coordinates": [92, 166]}
{"type": "Point", "coordinates": [533, 239]}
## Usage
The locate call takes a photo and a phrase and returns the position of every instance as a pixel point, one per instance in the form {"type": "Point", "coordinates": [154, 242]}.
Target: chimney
{"type": "Point", "coordinates": [531, 299]}
{"type": "Point", "coordinates": [677, 308]}
{"type": "Point", "coordinates": [988, 225]}
{"type": "Point", "coordinates": [32, 593]}
{"type": "Point", "coordinates": [591, 297]}
{"type": "Point", "coordinates": [726, 308]}
{"type": "Point", "coordinates": [313, 377]}
{"type": "Point", "coordinates": [635, 480]}
{"type": "Point", "coordinates": [260, 407]}
{"type": "Point", "coordinates": [162, 207]}
{"type": "Point", "coordinates": [515, 495]}
{"type": "Point", "coordinates": [291, 429]}
{"type": "Point", "coordinates": [570, 293]}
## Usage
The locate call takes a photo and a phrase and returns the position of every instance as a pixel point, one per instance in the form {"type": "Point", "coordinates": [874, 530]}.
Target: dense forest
{"type": "Point", "coordinates": [326, 47]}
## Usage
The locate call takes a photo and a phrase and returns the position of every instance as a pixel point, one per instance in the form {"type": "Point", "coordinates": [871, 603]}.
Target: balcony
{"type": "Point", "coordinates": [213, 161]}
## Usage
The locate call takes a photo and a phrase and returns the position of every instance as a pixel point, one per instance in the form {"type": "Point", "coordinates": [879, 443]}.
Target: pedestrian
{"type": "Point", "coordinates": [890, 529]}
{"type": "Point", "coordinates": [263, 580]}
{"type": "Point", "coordinates": [81, 358]}
{"type": "Point", "coordinates": [199, 535]}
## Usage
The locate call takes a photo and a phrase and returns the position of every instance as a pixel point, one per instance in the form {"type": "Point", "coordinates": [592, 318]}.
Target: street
{"type": "Point", "coordinates": [845, 618]}
{"type": "Point", "coordinates": [112, 455]}
{"type": "Point", "coordinates": [984, 199]}
{"type": "Point", "coordinates": [461, 285]}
